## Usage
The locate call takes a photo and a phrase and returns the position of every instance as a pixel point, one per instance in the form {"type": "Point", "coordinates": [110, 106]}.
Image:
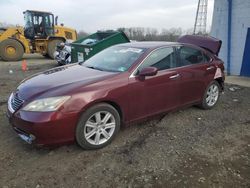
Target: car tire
{"type": "Point", "coordinates": [211, 96]}
{"type": "Point", "coordinates": [93, 131]}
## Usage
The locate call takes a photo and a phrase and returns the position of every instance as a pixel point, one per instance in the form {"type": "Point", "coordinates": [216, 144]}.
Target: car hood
{"type": "Point", "coordinates": [207, 42]}
{"type": "Point", "coordinates": [67, 78]}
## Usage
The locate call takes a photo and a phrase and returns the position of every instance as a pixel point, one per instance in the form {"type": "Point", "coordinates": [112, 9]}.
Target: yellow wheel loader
{"type": "Point", "coordinates": [40, 34]}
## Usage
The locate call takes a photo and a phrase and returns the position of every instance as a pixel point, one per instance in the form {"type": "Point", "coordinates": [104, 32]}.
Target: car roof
{"type": "Point", "coordinates": [38, 11]}
{"type": "Point", "coordinates": [149, 44]}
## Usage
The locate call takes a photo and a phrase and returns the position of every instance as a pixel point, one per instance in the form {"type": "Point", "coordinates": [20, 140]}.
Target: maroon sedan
{"type": "Point", "coordinates": [88, 102]}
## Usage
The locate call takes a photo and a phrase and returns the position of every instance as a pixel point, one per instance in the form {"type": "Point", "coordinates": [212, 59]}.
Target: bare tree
{"type": "Point", "coordinates": [152, 34]}
{"type": "Point", "coordinates": [5, 25]}
{"type": "Point", "coordinates": [82, 34]}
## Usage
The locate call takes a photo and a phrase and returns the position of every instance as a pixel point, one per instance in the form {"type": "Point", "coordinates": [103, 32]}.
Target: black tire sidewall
{"type": "Point", "coordinates": [204, 104]}
{"type": "Point", "coordinates": [14, 43]}
{"type": "Point", "coordinates": [80, 138]}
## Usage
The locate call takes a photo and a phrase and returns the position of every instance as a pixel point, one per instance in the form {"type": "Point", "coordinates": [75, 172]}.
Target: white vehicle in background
{"type": "Point", "coordinates": [63, 51]}
{"type": "Point", "coordinates": [63, 54]}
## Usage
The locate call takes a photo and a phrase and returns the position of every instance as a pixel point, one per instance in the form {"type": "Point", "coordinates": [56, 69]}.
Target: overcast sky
{"type": "Point", "coordinates": [93, 15]}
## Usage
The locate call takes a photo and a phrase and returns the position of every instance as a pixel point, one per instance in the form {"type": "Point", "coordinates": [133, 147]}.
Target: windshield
{"type": "Point", "coordinates": [28, 20]}
{"type": "Point", "coordinates": [114, 59]}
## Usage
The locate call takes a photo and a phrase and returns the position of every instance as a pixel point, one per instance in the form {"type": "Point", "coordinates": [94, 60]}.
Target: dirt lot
{"type": "Point", "coordinates": [187, 148]}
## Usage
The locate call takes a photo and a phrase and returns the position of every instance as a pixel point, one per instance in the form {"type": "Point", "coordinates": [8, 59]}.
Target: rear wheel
{"type": "Point", "coordinates": [98, 126]}
{"type": "Point", "coordinates": [11, 50]}
{"type": "Point", "coordinates": [52, 47]}
{"type": "Point", "coordinates": [211, 95]}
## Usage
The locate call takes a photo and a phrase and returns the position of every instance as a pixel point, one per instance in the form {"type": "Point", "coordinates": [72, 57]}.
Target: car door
{"type": "Point", "coordinates": [154, 94]}
{"type": "Point", "coordinates": [196, 73]}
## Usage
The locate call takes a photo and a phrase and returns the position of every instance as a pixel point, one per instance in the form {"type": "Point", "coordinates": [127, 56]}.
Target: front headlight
{"type": "Point", "coordinates": [46, 104]}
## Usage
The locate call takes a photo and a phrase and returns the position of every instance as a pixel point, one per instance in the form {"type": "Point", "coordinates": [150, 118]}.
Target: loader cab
{"type": "Point", "coordinates": [38, 24]}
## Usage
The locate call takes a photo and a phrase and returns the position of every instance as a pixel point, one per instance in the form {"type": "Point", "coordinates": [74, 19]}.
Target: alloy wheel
{"type": "Point", "coordinates": [99, 128]}
{"type": "Point", "coordinates": [212, 95]}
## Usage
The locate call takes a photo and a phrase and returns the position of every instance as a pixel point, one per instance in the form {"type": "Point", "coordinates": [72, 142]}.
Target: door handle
{"type": "Point", "coordinates": [174, 76]}
{"type": "Point", "coordinates": [210, 68]}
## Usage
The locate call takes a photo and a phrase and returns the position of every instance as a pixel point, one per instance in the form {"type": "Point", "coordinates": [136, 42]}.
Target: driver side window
{"type": "Point", "coordinates": [162, 59]}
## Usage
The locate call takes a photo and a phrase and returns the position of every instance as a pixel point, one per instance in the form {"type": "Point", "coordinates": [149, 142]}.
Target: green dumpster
{"type": "Point", "coordinates": [85, 48]}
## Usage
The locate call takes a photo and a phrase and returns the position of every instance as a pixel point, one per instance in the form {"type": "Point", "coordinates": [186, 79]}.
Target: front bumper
{"type": "Point", "coordinates": [44, 128]}
{"type": "Point", "coordinates": [29, 138]}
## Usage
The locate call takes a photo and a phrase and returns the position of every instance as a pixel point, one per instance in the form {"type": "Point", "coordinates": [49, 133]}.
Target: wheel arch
{"type": "Point", "coordinates": [107, 101]}
{"type": "Point", "coordinates": [117, 107]}
{"type": "Point", "coordinates": [220, 80]}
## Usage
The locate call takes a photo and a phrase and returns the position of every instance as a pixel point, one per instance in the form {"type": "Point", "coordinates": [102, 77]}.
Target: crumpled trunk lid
{"type": "Point", "coordinates": [207, 42]}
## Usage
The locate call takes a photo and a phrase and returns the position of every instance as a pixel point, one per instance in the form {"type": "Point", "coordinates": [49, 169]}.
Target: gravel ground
{"type": "Point", "coordinates": [187, 148]}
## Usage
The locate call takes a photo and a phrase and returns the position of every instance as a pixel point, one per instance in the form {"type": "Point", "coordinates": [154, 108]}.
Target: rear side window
{"type": "Point", "coordinates": [207, 58]}
{"type": "Point", "coordinates": [189, 56]}
{"type": "Point", "coordinates": [162, 59]}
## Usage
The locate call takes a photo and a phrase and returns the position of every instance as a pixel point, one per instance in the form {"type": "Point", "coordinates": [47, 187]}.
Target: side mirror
{"type": "Point", "coordinates": [148, 71]}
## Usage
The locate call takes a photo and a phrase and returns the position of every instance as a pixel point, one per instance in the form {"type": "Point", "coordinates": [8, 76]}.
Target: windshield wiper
{"type": "Point", "coordinates": [96, 68]}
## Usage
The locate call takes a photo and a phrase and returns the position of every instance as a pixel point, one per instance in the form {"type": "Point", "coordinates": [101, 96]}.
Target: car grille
{"type": "Point", "coordinates": [16, 102]}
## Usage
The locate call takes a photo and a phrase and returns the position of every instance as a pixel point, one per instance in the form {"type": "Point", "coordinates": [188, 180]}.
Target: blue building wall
{"type": "Point", "coordinates": [233, 33]}
{"type": "Point", "coordinates": [245, 68]}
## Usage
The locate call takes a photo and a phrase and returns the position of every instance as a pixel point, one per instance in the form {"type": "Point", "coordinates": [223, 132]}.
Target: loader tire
{"type": "Point", "coordinates": [11, 50]}
{"type": "Point", "coordinates": [46, 55]}
{"type": "Point", "coordinates": [52, 47]}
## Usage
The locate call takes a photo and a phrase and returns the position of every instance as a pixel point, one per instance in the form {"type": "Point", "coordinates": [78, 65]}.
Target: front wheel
{"type": "Point", "coordinates": [98, 126]}
{"type": "Point", "coordinates": [211, 95]}
{"type": "Point", "coordinates": [11, 50]}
